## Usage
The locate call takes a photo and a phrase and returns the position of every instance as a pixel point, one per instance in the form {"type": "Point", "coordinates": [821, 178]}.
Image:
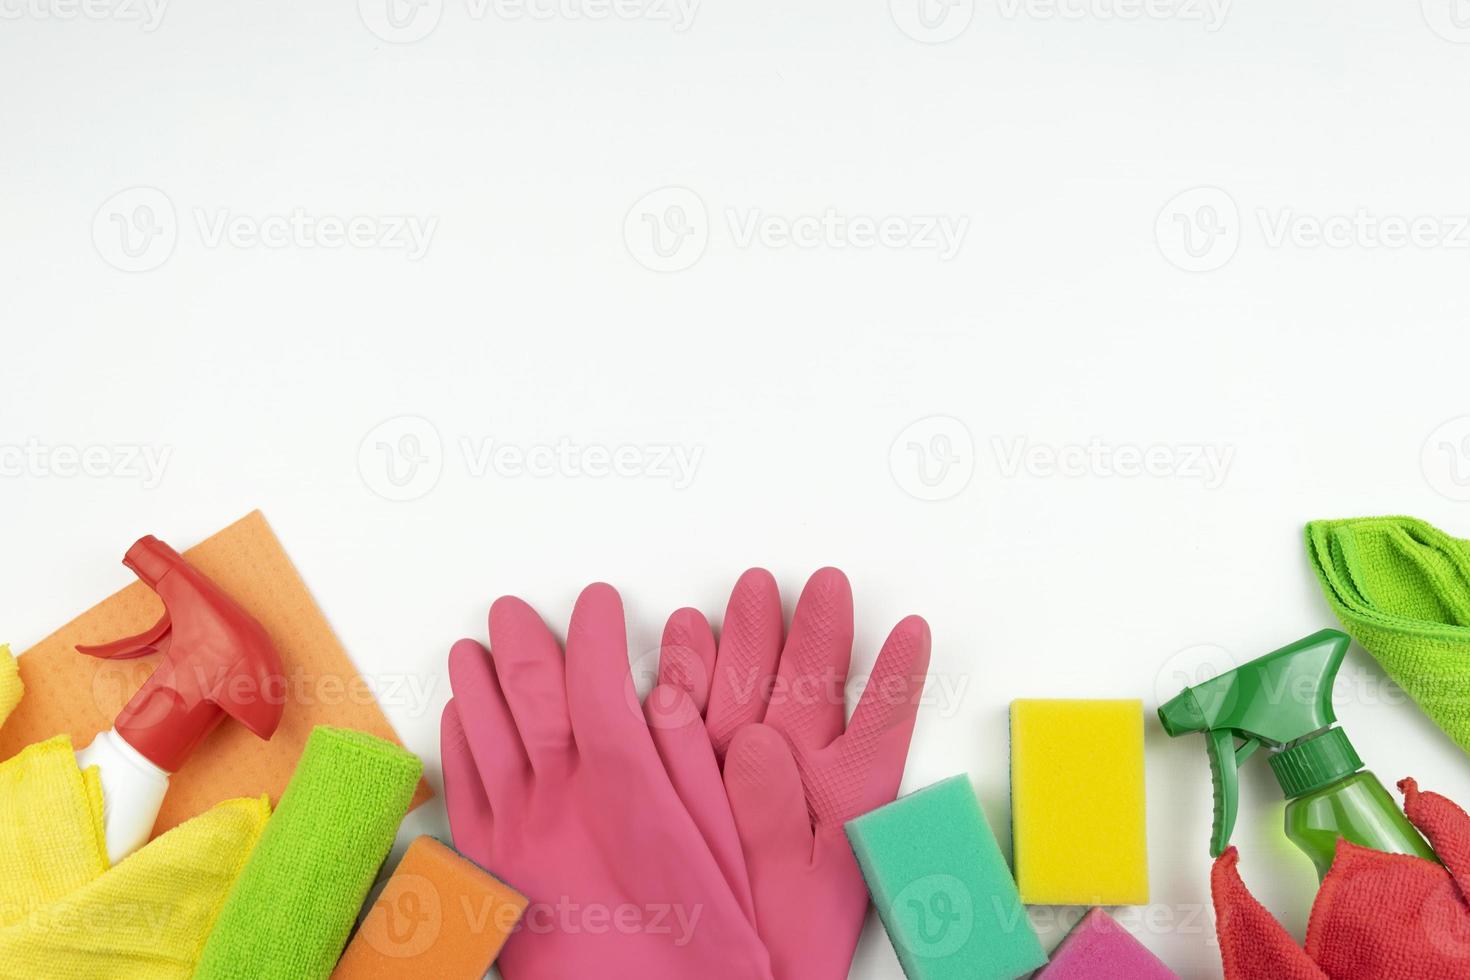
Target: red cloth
{"type": "Point", "coordinates": [1377, 917]}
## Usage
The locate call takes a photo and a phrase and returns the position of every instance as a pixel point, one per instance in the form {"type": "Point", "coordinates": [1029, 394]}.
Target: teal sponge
{"type": "Point", "coordinates": [942, 887]}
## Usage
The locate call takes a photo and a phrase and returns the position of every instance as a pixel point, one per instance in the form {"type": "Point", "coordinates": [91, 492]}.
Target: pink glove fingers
{"type": "Point", "coordinates": [607, 720]}
{"type": "Point", "coordinates": [877, 739]}
{"type": "Point", "coordinates": [532, 675]}
{"type": "Point", "coordinates": [621, 879]}
{"type": "Point", "coordinates": [464, 794]}
{"type": "Point", "coordinates": [686, 657]}
{"type": "Point", "coordinates": [808, 704]}
{"type": "Point", "coordinates": [793, 780]}
{"type": "Point", "coordinates": [768, 802]}
{"type": "Point", "coordinates": [810, 897]}
{"type": "Point", "coordinates": [487, 722]}
{"type": "Point", "coordinates": [750, 646]}
{"type": "Point", "coordinates": [683, 745]}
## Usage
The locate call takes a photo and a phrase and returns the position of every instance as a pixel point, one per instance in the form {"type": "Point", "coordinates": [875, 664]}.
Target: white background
{"type": "Point", "coordinates": [1087, 301]}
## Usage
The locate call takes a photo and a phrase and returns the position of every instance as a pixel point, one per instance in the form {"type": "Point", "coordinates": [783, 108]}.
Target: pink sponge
{"type": "Point", "coordinates": [1098, 948]}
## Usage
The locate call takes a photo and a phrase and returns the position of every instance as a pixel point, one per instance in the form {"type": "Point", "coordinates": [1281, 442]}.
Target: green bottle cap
{"type": "Point", "coordinates": [1319, 761]}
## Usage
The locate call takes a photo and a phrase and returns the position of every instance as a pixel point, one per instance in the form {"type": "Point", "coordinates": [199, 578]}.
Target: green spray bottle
{"type": "Point", "coordinates": [1284, 701]}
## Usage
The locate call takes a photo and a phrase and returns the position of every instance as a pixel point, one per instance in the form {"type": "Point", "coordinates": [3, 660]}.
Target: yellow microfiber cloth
{"type": "Point", "coordinates": [10, 686]}
{"type": "Point", "coordinates": [147, 918]}
{"type": "Point", "coordinates": [51, 839]}
{"type": "Point", "coordinates": [1077, 810]}
{"type": "Point", "coordinates": [64, 915]}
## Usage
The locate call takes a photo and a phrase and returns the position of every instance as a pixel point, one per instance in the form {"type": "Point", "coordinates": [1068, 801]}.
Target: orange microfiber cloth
{"type": "Point", "coordinates": [1377, 917]}
{"type": "Point", "coordinates": [440, 915]}
{"type": "Point", "coordinates": [68, 693]}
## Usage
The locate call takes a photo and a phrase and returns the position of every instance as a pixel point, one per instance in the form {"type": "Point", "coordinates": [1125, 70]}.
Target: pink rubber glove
{"type": "Point", "coordinates": [794, 769]}
{"type": "Point", "coordinates": [553, 782]}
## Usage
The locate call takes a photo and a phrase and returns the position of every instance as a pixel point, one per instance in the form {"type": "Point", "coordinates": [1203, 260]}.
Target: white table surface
{"type": "Point", "coordinates": [1077, 236]}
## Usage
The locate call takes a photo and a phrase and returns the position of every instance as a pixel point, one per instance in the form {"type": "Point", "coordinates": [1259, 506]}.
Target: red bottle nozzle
{"type": "Point", "coordinates": [218, 661]}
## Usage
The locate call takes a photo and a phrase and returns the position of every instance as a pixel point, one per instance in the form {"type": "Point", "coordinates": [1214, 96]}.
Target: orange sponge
{"type": "Point", "coordinates": [440, 915]}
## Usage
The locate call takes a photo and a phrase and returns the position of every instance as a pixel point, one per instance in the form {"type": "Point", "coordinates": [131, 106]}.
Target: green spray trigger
{"type": "Point", "coordinates": [1284, 701]}
{"type": "Point", "coordinates": [1273, 700]}
{"type": "Point", "coordinates": [1225, 760]}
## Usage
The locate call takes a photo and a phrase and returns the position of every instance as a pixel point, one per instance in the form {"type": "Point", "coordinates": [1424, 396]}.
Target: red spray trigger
{"type": "Point", "coordinates": [217, 661]}
{"type": "Point", "coordinates": [155, 640]}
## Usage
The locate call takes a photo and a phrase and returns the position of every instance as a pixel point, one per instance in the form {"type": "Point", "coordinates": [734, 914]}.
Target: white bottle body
{"type": "Point", "coordinates": [132, 792]}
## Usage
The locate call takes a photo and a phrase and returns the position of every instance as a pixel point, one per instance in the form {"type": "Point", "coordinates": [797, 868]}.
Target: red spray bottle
{"type": "Point", "coordinates": [217, 662]}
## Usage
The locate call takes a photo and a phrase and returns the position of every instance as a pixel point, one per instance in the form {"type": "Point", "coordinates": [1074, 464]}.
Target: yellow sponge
{"type": "Point", "coordinates": [1077, 813]}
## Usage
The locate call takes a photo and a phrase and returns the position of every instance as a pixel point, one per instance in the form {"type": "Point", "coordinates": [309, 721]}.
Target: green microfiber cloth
{"type": "Point", "coordinates": [1402, 588]}
{"type": "Point", "coordinates": [942, 887]}
{"type": "Point", "coordinates": [289, 913]}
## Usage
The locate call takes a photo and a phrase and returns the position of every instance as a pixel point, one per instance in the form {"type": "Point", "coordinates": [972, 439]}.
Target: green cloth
{"type": "Point", "coordinates": [289, 913]}
{"type": "Point", "coordinates": [1402, 588]}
